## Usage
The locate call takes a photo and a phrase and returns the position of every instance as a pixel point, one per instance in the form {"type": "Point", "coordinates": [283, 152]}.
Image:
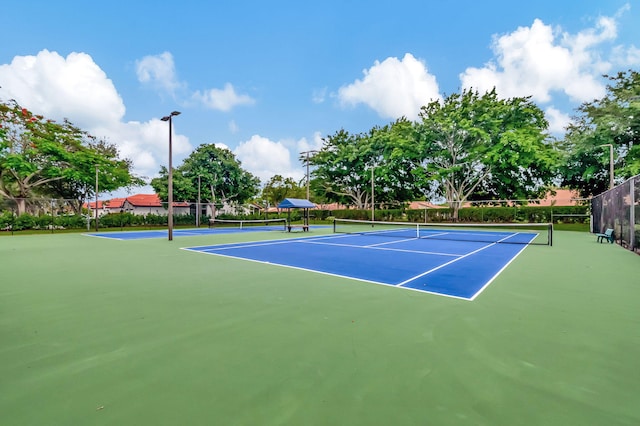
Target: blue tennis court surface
{"type": "Point", "coordinates": [460, 269]}
{"type": "Point", "coordinates": [163, 233]}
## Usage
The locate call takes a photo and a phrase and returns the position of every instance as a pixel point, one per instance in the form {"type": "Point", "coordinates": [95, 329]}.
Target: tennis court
{"type": "Point", "coordinates": [460, 266]}
{"type": "Point", "coordinates": [106, 331]}
{"type": "Point", "coordinates": [219, 227]}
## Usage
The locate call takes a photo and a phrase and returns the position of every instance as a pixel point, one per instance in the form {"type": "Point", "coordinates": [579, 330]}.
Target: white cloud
{"type": "Point", "coordinates": [266, 158]}
{"type": "Point", "coordinates": [319, 95]}
{"type": "Point", "coordinates": [558, 121]}
{"type": "Point", "coordinates": [538, 60]}
{"type": "Point", "coordinates": [626, 56]}
{"type": "Point", "coordinates": [393, 88]}
{"type": "Point", "coordinates": [76, 88]}
{"type": "Point", "coordinates": [233, 127]}
{"type": "Point", "coordinates": [222, 99]}
{"type": "Point", "coordinates": [73, 87]}
{"type": "Point", "coordinates": [159, 71]}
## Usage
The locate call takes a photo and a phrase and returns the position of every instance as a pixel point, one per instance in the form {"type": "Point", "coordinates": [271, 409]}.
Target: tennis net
{"type": "Point", "coordinates": [504, 233]}
{"type": "Point", "coordinates": [253, 224]}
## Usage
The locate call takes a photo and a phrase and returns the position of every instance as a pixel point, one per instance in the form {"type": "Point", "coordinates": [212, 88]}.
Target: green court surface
{"type": "Point", "coordinates": [107, 332]}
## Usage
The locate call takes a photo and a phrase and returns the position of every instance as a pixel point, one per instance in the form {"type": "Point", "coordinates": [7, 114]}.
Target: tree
{"type": "Point", "coordinates": [222, 178]}
{"type": "Point", "coordinates": [614, 119]}
{"type": "Point", "coordinates": [341, 166]}
{"type": "Point", "coordinates": [39, 157]}
{"type": "Point", "coordinates": [278, 188]}
{"type": "Point", "coordinates": [349, 167]}
{"type": "Point", "coordinates": [395, 151]}
{"type": "Point", "coordinates": [113, 172]}
{"type": "Point", "coordinates": [481, 146]}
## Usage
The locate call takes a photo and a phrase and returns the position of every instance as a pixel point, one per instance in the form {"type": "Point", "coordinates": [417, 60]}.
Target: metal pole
{"type": "Point", "coordinates": [610, 163]}
{"type": "Point", "coordinates": [170, 186]}
{"type": "Point", "coordinates": [610, 166]}
{"type": "Point", "coordinates": [373, 203]}
{"type": "Point", "coordinates": [198, 205]}
{"type": "Point", "coordinates": [96, 206]}
{"type": "Point", "coordinates": [307, 161]}
{"type": "Point", "coordinates": [307, 175]}
{"type": "Point", "coordinates": [170, 219]}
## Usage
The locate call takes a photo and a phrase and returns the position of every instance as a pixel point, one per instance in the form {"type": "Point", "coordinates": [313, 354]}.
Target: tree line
{"type": "Point", "coordinates": [469, 146]}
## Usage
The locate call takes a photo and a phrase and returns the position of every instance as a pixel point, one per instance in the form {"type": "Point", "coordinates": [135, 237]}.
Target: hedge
{"type": "Point", "coordinates": [534, 214]}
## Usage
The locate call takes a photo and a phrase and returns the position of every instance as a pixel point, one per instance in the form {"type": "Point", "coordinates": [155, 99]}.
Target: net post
{"type": "Point", "coordinates": [550, 234]}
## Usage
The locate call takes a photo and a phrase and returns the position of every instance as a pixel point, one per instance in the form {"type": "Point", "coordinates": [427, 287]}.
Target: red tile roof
{"type": "Point", "coordinates": [145, 200]}
{"type": "Point", "coordinates": [114, 203]}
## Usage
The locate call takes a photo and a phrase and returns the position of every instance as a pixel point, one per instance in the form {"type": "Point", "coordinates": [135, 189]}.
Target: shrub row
{"type": "Point", "coordinates": [535, 214]}
{"type": "Point", "coordinates": [532, 214]}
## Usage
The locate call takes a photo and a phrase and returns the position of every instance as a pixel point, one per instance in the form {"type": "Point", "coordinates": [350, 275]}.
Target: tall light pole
{"type": "Point", "coordinates": [306, 211]}
{"type": "Point", "coordinates": [373, 201]}
{"type": "Point", "coordinates": [307, 161]}
{"type": "Point", "coordinates": [97, 168]}
{"type": "Point", "coordinates": [610, 163]}
{"type": "Point", "coordinates": [170, 189]}
{"type": "Point", "coordinates": [198, 205]}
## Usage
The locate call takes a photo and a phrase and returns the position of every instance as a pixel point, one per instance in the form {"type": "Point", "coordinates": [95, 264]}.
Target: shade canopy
{"type": "Point", "coordinates": [296, 203]}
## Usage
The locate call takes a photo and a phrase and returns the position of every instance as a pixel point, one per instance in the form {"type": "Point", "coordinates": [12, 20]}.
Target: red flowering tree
{"type": "Point", "coordinates": [39, 157]}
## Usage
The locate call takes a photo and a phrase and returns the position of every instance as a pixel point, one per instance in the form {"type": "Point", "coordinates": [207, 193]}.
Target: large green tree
{"type": "Point", "coordinates": [480, 146]}
{"type": "Point", "coordinates": [278, 188]}
{"type": "Point", "coordinates": [395, 156]}
{"type": "Point", "coordinates": [220, 175]}
{"type": "Point", "coordinates": [350, 166]}
{"type": "Point", "coordinates": [615, 120]}
{"type": "Point", "coordinates": [42, 158]}
{"type": "Point", "coordinates": [342, 165]}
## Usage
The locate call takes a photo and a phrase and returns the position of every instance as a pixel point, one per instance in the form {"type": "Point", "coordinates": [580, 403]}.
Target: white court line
{"type": "Point", "coordinates": [391, 242]}
{"type": "Point", "coordinates": [258, 243]}
{"type": "Point", "coordinates": [376, 247]}
{"type": "Point", "coordinates": [329, 274]}
{"type": "Point", "coordinates": [449, 263]}
{"type": "Point", "coordinates": [498, 273]}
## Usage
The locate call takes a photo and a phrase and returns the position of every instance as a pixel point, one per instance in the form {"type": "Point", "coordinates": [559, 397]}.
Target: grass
{"type": "Point", "coordinates": [139, 332]}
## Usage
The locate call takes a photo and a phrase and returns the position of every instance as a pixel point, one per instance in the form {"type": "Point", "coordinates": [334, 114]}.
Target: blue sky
{"type": "Point", "coordinates": [268, 80]}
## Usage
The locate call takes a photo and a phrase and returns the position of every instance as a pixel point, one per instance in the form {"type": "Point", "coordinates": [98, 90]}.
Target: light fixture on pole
{"type": "Point", "coordinates": [170, 186]}
{"type": "Point", "coordinates": [610, 163]}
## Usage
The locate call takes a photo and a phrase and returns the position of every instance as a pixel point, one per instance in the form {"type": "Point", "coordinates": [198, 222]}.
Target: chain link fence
{"type": "Point", "coordinates": [57, 215]}
{"type": "Point", "coordinates": [619, 209]}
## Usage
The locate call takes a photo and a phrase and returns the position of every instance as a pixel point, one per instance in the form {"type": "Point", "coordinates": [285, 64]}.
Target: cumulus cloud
{"type": "Point", "coordinates": [266, 158]}
{"type": "Point", "coordinates": [159, 71]}
{"type": "Point", "coordinates": [540, 60]}
{"type": "Point", "coordinates": [558, 121]}
{"type": "Point", "coordinates": [73, 87]}
{"type": "Point", "coordinates": [76, 88]}
{"type": "Point", "coordinates": [393, 88]}
{"type": "Point", "coordinates": [222, 99]}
